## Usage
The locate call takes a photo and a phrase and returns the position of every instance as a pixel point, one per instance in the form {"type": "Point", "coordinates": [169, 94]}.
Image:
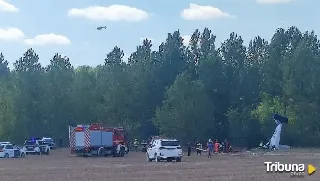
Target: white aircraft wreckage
{"type": "Point", "coordinates": [274, 142]}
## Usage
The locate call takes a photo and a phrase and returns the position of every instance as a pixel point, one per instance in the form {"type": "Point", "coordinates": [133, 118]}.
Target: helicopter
{"type": "Point", "coordinates": [101, 27]}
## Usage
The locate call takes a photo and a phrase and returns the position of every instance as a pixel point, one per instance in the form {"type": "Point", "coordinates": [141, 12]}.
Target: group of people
{"type": "Point", "coordinates": [144, 144]}
{"type": "Point", "coordinates": [136, 145]}
{"type": "Point", "coordinates": [211, 148]}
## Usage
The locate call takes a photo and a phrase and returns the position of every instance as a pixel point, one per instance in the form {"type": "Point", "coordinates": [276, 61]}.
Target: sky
{"type": "Point", "coordinates": [70, 27]}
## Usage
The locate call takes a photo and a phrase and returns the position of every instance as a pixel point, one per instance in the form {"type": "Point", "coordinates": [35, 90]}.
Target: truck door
{"type": "Point", "coordinates": [151, 150]}
{"type": "Point", "coordinates": [10, 150]}
{"type": "Point", "coordinates": [79, 138]}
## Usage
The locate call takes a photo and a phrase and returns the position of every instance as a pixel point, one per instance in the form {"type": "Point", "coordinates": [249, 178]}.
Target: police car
{"type": "Point", "coordinates": [32, 147]}
{"type": "Point", "coordinates": [49, 142]}
{"type": "Point", "coordinates": [6, 142]}
{"type": "Point", "coordinates": [164, 149]}
{"type": "Point", "coordinates": [20, 151]}
{"type": "Point", "coordinates": [8, 150]}
{"type": "Point", "coordinates": [44, 148]}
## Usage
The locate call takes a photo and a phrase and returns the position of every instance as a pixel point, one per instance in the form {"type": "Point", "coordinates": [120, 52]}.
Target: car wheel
{"type": "Point", "coordinates": [178, 159]}
{"type": "Point", "coordinates": [157, 158]}
{"type": "Point", "coordinates": [101, 153]}
{"type": "Point", "coordinates": [148, 158]}
{"type": "Point", "coordinates": [122, 153]}
{"type": "Point", "coordinates": [22, 155]}
{"type": "Point", "coordinates": [48, 152]}
{"type": "Point", "coordinates": [6, 155]}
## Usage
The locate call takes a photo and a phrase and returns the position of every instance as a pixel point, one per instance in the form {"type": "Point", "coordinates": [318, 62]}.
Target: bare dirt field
{"type": "Point", "coordinates": [61, 166]}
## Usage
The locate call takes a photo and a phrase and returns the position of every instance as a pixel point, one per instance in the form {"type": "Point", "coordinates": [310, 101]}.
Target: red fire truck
{"type": "Point", "coordinates": [97, 140]}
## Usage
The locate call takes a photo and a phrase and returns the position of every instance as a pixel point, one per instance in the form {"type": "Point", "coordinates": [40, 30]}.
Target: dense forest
{"type": "Point", "coordinates": [200, 91]}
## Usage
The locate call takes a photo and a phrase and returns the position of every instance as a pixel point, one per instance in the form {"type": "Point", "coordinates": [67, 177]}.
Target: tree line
{"type": "Point", "coordinates": [190, 92]}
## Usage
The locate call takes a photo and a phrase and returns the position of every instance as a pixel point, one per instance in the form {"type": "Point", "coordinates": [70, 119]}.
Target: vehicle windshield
{"type": "Point", "coordinates": [118, 133]}
{"type": "Point", "coordinates": [47, 140]}
{"type": "Point", "coordinates": [9, 146]}
{"type": "Point", "coordinates": [170, 143]}
{"type": "Point", "coordinates": [30, 143]}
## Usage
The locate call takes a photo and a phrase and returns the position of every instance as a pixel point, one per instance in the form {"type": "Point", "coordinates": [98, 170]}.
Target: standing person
{"type": "Point", "coordinates": [60, 141]}
{"type": "Point", "coordinates": [144, 144]}
{"type": "Point", "coordinates": [210, 148]}
{"type": "Point", "coordinates": [216, 146]}
{"type": "Point", "coordinates": [135, 144]}
{"type": "Point", "coordinates": [150, 140]}
{"type": "Point", "coordinates": [226, 146]}
{"type": "Point", "coordinates": [189, 149]}
{"type": "Point", "coordinates": [199, 148]}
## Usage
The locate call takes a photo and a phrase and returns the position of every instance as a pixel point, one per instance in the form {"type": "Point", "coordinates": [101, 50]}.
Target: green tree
{"type": "Point", "coordinates": [58, 87]}
{"type": "Point", "coordinates": [4, 69]}
{"type": "Point", "coordinates": [29, 77]}
{"type": "Point", "coordinates": [186, 112]}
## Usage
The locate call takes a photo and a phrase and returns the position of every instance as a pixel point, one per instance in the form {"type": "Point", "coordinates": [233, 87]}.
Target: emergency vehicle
{"type": "Point", "coordinates": [164, 149]}
{"type": "Point", "coordinates": [49, 141]}
{"type": "Point", "coordinates": [36, 146]}
{"type": "Point", "coordinates": [44, 148]}
{"type": "Point", "coordinates": [97, 140]}
{"type": "Point", "coordinates": [8, 150]}
{"type": "Point", "coordinates": [6, 142]}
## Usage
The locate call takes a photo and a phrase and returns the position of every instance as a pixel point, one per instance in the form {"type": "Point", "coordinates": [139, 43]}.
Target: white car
{"type": "Point", "coordinates": [21, 151]}
{"type": "Point", "coordinates": [44, 148]}
{"type": "Point", "coordinates": [11, 151]}
{"type": "Point", "coordinates": [32, 147]}
{"type": "Point", "coordinates": [49, 141]}
{"type": "Point", "coordinates": [164, 149]}
{"type": "Point", "coordinates": [4, 142]}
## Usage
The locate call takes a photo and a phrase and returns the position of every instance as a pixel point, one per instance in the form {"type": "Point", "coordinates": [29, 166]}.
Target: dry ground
{"type": "Point", "coordinates": [60, 165]}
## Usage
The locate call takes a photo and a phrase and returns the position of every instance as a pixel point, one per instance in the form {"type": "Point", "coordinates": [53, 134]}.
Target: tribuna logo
{"type": "Point", "coordinates": [293, 169]}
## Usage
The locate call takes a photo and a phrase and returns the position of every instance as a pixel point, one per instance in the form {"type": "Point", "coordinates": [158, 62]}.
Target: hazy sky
{"type": "Point", "coordinates": [69, 27]}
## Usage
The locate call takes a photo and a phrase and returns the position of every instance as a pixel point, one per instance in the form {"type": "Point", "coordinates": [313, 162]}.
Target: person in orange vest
{"type": "Point", "coordinates": [216, 146]}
